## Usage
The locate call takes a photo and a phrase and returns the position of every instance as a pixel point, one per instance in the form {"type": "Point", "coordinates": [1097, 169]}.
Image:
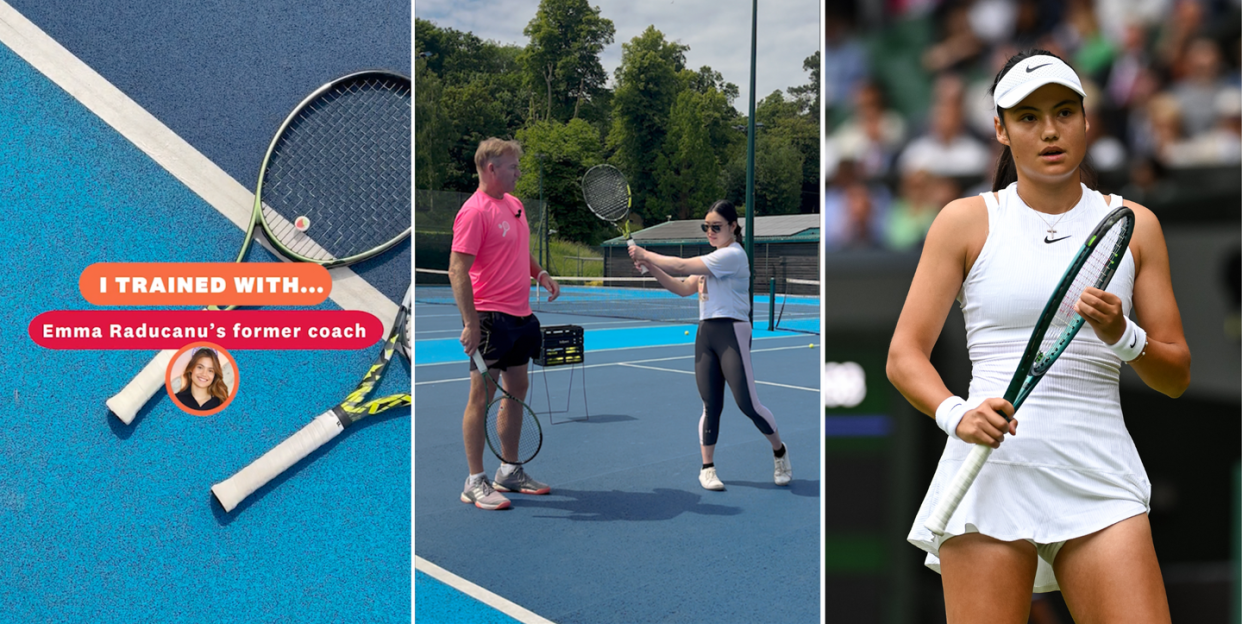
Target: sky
{"type": "Point", "coordinates": [717, 31]}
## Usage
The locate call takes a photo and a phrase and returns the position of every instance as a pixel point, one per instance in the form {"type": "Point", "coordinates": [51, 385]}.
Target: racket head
{"type": "Point", "coordinates": [1093, 266]}
{"type": "Point", "coordinates": [334, 186]}
{"type": "Point", "coordinates": [606, 193]}
{"type": "Point", "coordinates": [513, 435]}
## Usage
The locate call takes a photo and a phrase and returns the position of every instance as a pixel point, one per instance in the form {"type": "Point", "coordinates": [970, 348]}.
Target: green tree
{"type": "Point", "coordinates": [562, 58]}
{"type": "Point", "coordinates": [778, 175]}
{"type": "Point", "coordinates": [647, 82]}
{"type": "Point", "coordinates": [481, 93]}
{"type": "Point", "coordinates": [807, 95]}
{"type": "Point", "coordinates": [566, 151]}
{"type": "Point", "coordinates": [687, 171]}
{"type": "Point", "coordinates": [432, 132]}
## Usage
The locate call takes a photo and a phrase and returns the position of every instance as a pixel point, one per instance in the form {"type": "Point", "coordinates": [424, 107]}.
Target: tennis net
{"type": "Point", "coordinates": [796, 308]}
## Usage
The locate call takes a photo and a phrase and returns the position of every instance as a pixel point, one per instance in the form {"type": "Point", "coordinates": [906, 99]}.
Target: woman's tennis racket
{"type": "Point", "coordinates": [1094, 266]}
{"type": "Point", "coordinates": [334, 189]}
{"type": "Point", "coordinates": [607, 194]}
{"type": "Point", "coordinates": [513, 435]}
{"type": "Point", "coordinates": [326, 426]}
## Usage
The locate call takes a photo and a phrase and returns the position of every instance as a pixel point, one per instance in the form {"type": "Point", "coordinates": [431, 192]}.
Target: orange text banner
{"type": "Point", "coordinates": [205, 283]}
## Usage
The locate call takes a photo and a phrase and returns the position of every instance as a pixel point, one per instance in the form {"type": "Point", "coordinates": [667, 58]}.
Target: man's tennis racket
{"type": "Point", "coordinates": [513, 435]}
{"type": "Point", "coordinates": [607, 194]}
{"type": "Point", "coordinates": [326, 426]}
{"type": "Point", "coordinates": [1094, 266]}
{"type": "Point", "coordinates": [334, 189]}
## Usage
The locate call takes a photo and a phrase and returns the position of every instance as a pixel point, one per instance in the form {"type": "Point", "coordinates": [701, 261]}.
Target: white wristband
{"type": "Point", "coordinates": [541, 274]}
{"type": "Point", "coordinates": [1132, 344]}
{"type": "Point", "coordinates": [950, 414]}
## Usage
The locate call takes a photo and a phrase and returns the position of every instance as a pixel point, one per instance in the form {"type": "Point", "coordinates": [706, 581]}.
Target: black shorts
{"type": "Point", "coordinates": [507, 339]}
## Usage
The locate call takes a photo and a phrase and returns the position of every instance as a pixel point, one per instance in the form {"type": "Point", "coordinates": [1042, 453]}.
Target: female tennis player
{"type": "Point", "coordinates": [722, 346]}
{"type": "Point", "coordinates": [202, 383]}
{"type": "Point", "coordinates": [1063, 505]}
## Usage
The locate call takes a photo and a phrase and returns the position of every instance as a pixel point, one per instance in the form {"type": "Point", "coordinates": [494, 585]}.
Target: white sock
{"type": "Point", "coordinates": [507, 469]}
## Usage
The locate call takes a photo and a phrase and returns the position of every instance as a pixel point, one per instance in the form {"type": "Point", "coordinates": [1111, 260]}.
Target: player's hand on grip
{"type": "Point", "coordinates": [637, 254]}
{"type": "Point", "coordinates": [1102, 311]}
{"type": "Point", "coordinates": [985, 424]}
{"type": "Point", "coordinates": [470, 338]}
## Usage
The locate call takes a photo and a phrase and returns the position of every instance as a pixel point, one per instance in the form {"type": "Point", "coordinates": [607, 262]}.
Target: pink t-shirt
{"type": "Point", "coordinates": [494, 231]}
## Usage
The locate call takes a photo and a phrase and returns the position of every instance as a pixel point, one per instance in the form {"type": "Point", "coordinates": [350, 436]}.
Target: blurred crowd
{"type": "Point", "coordinates": [1163, 93]}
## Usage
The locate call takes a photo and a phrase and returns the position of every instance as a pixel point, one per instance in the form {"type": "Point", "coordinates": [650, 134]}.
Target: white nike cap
{"type": "Point", "coordinates": [1032, 73]}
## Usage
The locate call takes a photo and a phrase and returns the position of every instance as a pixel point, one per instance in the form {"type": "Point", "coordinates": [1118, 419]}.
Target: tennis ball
{"type": "Point", "coordinates": [687, 332]}
{"type": "Point", "coordinates": [812, 345]}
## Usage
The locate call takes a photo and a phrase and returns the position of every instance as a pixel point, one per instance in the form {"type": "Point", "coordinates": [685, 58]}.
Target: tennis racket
{"type": "Point", "coordinates": [334, 189]}
{"type": "Point", "coordinates": [511, 440]}
{"type": "Point", "coordinates": [232, 491]}
{"type": "Point", "coordinates": [607, 194]}
{"type": "Point", "coordinates": [1094, 266]}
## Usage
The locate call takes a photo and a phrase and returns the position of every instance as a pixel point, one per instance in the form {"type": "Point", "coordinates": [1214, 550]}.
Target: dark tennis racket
{"type": "Point", "coordinates": [607, 194]}
{"type": "Point", "coordinates": [513, 435]}
{"type": "Point", "coordinates": [233, 490]}
{"type": "Point", "coordinates": [1094, 266]}
{"type": "Point", "coordinates": [334, 189]}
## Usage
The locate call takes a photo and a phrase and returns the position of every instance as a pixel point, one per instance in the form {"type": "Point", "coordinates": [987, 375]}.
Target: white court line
{"type": "Point", "coordinates": [673, 370]}
{"type": "Point", "coordinates": [174, 154]}
{"type": "Point", "coordinates": [517, 612]}
{"type": "Point", "coordinates": [562, 369]}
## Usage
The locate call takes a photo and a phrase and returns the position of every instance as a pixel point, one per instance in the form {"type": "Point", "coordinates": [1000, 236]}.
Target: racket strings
{"type": "Point", "coordinates": [343, 164]}
{"type": "Point", "coordinates": [606, 194]}
{"type": "Point", "coordinates": [514, 435]}
{"type": "Point", "coordinates": [1096, 270]}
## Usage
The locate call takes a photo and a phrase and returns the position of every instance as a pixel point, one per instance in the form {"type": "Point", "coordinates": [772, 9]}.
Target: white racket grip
{"type": "Point", "coordinates": [961, 482]}
{"type": "Point", "coordinates": [126, 403]}
{"type": "Point", "coordinates": [631, 243]}
{"type": "Point", "coordinates": [236, 488]}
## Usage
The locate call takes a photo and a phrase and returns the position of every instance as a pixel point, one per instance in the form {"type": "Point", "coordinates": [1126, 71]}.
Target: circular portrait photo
{"type": "Point", "coordinates": [202, 379]}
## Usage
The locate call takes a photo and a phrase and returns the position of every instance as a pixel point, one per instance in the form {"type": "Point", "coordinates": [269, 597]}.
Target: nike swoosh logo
{"type": "Point", "coordinates": [1133, 341]}
{"type": "Point", "coordinates": [1031, 69]}
{"type": "Point", "coordinates": [1055, 239]}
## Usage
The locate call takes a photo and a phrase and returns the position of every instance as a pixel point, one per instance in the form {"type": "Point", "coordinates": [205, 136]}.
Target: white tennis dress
{"type": "Point", "coordinates": [1072, 469]}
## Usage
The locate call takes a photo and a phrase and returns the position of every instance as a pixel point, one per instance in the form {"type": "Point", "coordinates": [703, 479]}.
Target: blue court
{"type": "Point", "coordinates": [627, 534]}
{"type": "Point", "coordinates": [131, 129]}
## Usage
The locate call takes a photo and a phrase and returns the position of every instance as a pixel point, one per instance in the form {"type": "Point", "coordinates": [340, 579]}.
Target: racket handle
{"type": "Point", "coordinates": [126, 403]}
{"type": "Point", "coordinates": [631, 243]}
{"type": "Point", "coordinates": [236, 488]}
{"type": "Point", "coordinates": [961, 482]}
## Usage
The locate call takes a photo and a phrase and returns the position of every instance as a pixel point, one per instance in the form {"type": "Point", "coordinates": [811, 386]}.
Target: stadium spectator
{"type": "Point", "coordinates": [1199, 87]}
{"type": "Point", "coordinates": [947, 149]}
{"type": "Point", "coordinates": [871, 138]}
{"type": "Point", "coordinates": [854, 213]}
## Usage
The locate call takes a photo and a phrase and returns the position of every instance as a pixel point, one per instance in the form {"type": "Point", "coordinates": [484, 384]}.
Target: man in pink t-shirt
{"type": "Point", "coordinates": [490, 268]}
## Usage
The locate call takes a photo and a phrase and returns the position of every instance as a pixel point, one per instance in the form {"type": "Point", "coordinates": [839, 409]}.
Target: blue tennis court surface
{"type": "Point", "coordinates": [627, 534]}
{"type": "Point", "coordinates": [112, 523]}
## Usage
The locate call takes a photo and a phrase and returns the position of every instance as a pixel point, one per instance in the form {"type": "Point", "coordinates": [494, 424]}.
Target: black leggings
{"type": "Point", "coordinates": [722, 354]}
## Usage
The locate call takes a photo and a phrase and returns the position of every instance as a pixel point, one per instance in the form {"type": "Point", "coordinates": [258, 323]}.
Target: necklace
{"type": "Point", "coordinates": [1052, 227]}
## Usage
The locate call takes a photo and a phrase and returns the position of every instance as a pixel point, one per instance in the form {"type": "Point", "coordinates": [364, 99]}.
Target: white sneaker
{"type": "Point", "coordinates": [709, 480]}
{"type": "Point", "coordinates": [783, 474]}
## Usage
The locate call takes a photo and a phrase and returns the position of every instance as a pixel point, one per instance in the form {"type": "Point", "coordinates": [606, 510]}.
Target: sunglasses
{"type": "Point", "coordinates": [714, 227]}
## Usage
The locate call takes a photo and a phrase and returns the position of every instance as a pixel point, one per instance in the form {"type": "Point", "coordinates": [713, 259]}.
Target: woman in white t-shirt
{"type": "Point", "coordinates": [1063, 505]}
{"type": "Point", "coordinates": [722, 346]}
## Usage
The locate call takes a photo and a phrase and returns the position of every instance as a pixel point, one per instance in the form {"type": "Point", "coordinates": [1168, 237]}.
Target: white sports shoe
{"type": "Point", "coordinates": [709, 480]}
{"type": "Point", "coordinates": [783, 474]}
